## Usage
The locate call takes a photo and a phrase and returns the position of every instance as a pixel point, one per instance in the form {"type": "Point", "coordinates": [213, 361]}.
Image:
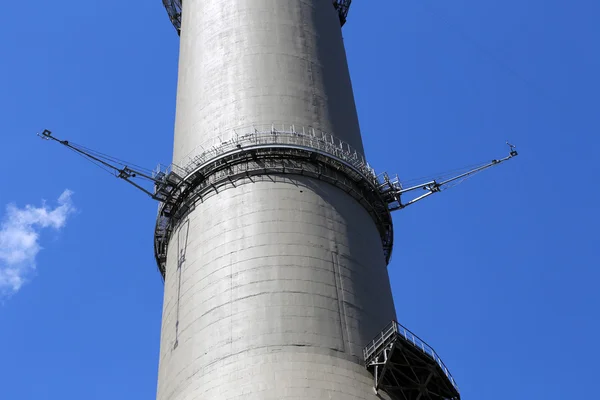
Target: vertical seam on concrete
{"type": "Point", "coordinates": [339, 300]}
{"type": "Point", "coordinates": [178, 292]}
{"type": "Point", "coordinates": [230, 303]}
{"type": "Point", "coordinates": [339, 287]}
{"type": "Point", "coordinates": [343, 298]}
{"type": "Point", "coordinates": [181, 253]}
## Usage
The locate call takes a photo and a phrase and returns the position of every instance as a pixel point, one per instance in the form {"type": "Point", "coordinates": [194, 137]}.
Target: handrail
{"type": "Point", "coordinates": [274, 135]}
{"type": "Point", "coordinates": [396, 329]}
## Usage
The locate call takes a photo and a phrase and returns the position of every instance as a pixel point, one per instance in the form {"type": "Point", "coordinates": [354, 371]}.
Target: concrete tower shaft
{"type": "Point", "coordinates": [274, 282]}
{"type": "Point", "coordinates": [261, 62]}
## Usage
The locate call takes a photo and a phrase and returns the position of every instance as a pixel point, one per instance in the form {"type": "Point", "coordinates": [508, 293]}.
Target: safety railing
{"type": "Point", "coordinates": [395, 329]}
{"type": "Point", "coordinates": [342, 7]}
{"type": "Point", "coordinates": [276, 135]}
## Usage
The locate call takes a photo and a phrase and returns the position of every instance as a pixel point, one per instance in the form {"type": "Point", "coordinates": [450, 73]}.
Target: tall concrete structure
{"type": "Point", "coordinates": [273, 232]}
{"type": "Point", "coordinates": [275, 255]}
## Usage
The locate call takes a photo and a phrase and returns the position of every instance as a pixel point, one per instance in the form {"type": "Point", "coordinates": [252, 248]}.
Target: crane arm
{"type": "Point", "coordinates": [123, 172]}
{"type": "Point", "coordinates": [393, 190]}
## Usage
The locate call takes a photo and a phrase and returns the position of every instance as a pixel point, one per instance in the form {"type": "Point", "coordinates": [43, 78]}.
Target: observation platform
{"type": "Point", "coordinates": [407, 368]}
{"type": "Point", "coordinates": [255, 153]}
{"type": "Point", "coordinates": [174, 10]}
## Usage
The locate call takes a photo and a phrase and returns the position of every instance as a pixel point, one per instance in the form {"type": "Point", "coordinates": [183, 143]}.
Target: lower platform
{"type": "Point", "coordinates": [407, 368]}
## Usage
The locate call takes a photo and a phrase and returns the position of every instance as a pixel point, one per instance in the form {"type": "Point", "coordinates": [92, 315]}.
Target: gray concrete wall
{"type": "Point", "coordinates": [245, 62]}
{"type": "Point", "coordinates": [284, 279]}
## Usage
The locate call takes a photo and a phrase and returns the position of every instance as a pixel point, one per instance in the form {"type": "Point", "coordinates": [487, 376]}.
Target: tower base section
{"type": "Point", "coordinates": [290, 373]}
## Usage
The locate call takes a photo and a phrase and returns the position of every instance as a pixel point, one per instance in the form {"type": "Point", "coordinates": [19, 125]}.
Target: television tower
{"type": "Point", "coordinates": [273, 233]}
{"type": "Point", "coordinates": [275, 278]}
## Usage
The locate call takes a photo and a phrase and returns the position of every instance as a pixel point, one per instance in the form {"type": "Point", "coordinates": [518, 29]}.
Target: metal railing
{"type": "Point", "coordinates": [342, 7]}
{"type": "Point", "coordinates": [394, 329]}
{"type": "Point", "coordinates": [173, 8]}
{"type": "Point", "coordinates": [277, 136]}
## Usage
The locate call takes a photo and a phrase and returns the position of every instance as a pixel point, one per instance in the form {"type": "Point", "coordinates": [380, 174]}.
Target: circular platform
{"type": "Point", "coordinates": [264, 153]}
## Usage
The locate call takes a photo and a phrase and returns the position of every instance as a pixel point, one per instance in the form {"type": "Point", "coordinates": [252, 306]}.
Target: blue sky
{"type": "Point", "coordinates": [500, 275]}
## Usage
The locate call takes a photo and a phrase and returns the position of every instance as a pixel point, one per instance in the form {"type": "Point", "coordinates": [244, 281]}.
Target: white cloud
{"type": "Point", "coordinates": [19, 239]}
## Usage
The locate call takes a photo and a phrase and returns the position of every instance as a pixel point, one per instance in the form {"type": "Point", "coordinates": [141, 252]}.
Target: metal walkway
{"type": "Point", "coordinates": [407, 368]}
{"type": "Point", "coordinates": [265, 152]}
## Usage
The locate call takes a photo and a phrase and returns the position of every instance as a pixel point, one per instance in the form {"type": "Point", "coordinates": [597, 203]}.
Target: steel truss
{"type": "Point", "coordinates": [174, 7]}
{"type": "Point", "coordinates": [406, 368]}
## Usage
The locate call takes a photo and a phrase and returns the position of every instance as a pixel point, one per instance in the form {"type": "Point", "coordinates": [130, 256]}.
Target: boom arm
{"type": "Point", "coordinates": [164, 183]}
{"type": "Point", "coordinates": [126, 173]}
{"type": "Point", "coordinates": [393, 190]}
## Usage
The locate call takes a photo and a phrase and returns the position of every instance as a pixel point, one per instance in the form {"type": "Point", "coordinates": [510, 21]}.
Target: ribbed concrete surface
{"type": "Point", "coordinates": [284, 279]}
